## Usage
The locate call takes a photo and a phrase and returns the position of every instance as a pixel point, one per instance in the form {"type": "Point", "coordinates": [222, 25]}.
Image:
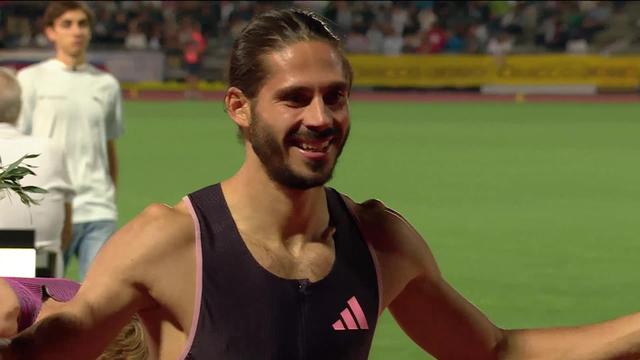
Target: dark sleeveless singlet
{"type": "Point", "coordinates": [246, 312]}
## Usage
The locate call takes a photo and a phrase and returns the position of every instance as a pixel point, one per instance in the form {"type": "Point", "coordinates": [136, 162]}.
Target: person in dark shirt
{"type": "Point", "coordinates": [272, 264]}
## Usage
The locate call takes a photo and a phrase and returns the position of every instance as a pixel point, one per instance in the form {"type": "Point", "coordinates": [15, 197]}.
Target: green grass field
{"type": "Point", "coordinates": [532, 210]}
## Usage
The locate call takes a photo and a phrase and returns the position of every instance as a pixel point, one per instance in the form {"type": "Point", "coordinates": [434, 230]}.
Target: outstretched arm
{"type": "Point", "coordinates": [426, 307]}
{"type": "Point", "coordinates": [118, 284]}
{"type": "Point", "coordinates": [617, 339]}
{"type": "Point", "coordinates": [82, 328]}
{"type": "Point", "coordinates": [445, 324]}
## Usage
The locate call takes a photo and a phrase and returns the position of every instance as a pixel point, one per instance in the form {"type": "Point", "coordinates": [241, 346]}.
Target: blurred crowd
{"type": "Point", "coordinates": [379, 27]}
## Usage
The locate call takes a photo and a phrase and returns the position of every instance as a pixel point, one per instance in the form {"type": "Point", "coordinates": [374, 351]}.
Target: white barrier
{"type": "Point", "coordinates": [17, 253]}
{"type": "Point", "coordinates": [126, 66]}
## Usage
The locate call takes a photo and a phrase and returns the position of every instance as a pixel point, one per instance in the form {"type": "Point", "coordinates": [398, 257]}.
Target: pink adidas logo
{"type": "Point", "coordinates": [347, 317]}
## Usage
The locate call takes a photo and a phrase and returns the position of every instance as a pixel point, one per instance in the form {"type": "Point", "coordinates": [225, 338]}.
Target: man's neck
{"type": "Point", "coordinates": [261, 206]}
{"type": "Point", "coordinates": [71, 62]}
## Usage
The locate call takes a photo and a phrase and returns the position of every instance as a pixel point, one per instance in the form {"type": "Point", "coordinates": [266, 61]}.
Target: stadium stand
{"type": "Point", "coordinates": [370, 27]}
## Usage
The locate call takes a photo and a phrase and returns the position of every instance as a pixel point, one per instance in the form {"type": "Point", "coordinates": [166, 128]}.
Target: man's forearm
{"type": "Point", "coordinates": [617, 339]}
{"type": "Point", "coordinates": [624, 348]}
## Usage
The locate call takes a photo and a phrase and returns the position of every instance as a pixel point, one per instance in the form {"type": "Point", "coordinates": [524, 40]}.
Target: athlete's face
{"type": "Point", "coordinates": [70, 33]}
{"type": "Point", "coordinates": [300, 117]}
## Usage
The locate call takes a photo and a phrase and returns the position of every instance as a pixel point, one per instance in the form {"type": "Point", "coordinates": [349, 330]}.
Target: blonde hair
{"type": "Point", "coordinates": [130, 344]}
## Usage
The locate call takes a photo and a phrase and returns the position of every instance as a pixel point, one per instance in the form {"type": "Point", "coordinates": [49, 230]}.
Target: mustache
{"type": "Point", "coordinates": [310, 134]}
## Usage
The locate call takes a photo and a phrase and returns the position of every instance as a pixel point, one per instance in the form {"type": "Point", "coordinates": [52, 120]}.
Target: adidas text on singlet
{"type": "Point", "coordinates": [245, 312]}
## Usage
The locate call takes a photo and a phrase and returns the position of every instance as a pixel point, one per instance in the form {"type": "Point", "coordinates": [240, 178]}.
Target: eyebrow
{"type": "Point", "coordinates": [341, 85]}
{"type": "Point", "coordinates": [71, 19]}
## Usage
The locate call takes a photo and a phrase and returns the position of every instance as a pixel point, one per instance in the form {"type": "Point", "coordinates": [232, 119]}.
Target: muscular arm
{"type": "Point", "coordinates": [113, 161]}
{"type": "Point", "coordinates": [121, 281]}
{"type": "Point", "coordinates": [615, 339]}
{"type": "Point", "coordinates": [426, 307]}
{"type": "Point", "coordinates": [445, 324]}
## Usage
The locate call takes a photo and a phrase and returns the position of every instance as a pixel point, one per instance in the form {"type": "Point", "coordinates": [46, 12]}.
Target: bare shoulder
{"type": "Point", "coordinates": [386, 229]}
{"type": "Point", "coordinates": [402, 253]}
{"type": "Point", "coordinates": [158, 212]}
{"type": "Point", "coordinates": [157, 227]}
{"type": "Point", "coordinates": [159, 236]}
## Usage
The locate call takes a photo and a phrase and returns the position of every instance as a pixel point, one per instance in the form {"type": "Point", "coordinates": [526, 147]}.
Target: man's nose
{"type": "Point", "coordinates": [318, 115]}
{"type": "Point", "coordinates": [78, 29]}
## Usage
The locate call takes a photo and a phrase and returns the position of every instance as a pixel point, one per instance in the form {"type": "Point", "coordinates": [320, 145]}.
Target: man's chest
{"type": "Point", "coordinates": [313, 262]}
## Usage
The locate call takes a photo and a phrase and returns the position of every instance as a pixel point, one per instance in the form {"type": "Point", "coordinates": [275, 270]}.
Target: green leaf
{"type": "Point", "coordinates": [25, 199]}
{"type": "Point", "coordinates": [11, 175]}
{"type": "Point", "coordinates": [21, 172]}
{"type": "Point", "coordinates": [15, 164]}
{"type": "Point", "coordinates": [34, 189]}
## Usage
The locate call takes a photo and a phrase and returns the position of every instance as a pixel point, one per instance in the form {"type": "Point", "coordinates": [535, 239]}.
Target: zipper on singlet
{"type": "Point", "coordinates": [302, 333]}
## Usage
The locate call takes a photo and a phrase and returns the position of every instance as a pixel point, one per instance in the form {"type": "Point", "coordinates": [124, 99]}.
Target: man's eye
{"type": "Point", "coordinates": [334, 98]}
{"type": "Point", "coordinates": [297, 100]}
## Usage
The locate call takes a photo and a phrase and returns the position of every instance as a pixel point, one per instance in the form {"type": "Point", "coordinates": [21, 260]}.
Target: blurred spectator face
{"type": "Point", "coordinates": [70, 33]}
{"type": "Point", "coordinates": [134, 26]}
{"type": "Point", "coordinates": [121, 18]}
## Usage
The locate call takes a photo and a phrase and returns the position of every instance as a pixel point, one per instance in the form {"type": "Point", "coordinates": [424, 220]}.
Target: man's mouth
{"type": "Point", "coordinates": [313, 149]}
{"type": "Point", "coordinates": [314, 145]}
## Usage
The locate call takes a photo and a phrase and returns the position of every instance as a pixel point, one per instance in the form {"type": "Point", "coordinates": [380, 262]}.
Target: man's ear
{"type": "Point", "coordinates": [238, 107]}
{"type": "Point", "coordinates": [50, 33]}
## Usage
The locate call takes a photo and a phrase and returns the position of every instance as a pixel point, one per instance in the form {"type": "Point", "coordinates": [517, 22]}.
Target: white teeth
{"type": "Point", "coordinates": [317, 148]}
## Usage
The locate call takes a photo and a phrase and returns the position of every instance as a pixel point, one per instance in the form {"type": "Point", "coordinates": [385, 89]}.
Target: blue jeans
{"type": "Point", "coordinates": [87, 240]}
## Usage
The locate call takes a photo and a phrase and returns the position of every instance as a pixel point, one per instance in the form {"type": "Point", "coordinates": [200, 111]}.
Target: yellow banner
{"type": "Point", "coordinates": [432, 71]}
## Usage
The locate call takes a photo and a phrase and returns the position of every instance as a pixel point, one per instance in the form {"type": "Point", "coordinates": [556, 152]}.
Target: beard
{"type": "Point", "coordinates": [273, 155]}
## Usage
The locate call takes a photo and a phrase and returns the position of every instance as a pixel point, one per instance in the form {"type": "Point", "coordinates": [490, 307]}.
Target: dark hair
{"type": "Point", "coordinates": [55, 9]}
{"type": "Point", "coordinates": [273, 31]}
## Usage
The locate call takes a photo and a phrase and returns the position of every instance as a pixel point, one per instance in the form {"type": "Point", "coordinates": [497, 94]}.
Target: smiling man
{"type": "Point", "coordinates": [270, 263]}
{"type": "Point", "coordinates": [78, 107]}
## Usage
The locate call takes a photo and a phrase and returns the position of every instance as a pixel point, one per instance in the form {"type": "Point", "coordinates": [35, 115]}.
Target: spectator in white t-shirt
{"type": "Point", "coordinates": [79, 107]}
{"type": "Point", "coordinates": [51, 217]}
{"type": "Point", "coordinates": [135, 39]}
{"type": "Point", "coordinates": [500, 45]}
